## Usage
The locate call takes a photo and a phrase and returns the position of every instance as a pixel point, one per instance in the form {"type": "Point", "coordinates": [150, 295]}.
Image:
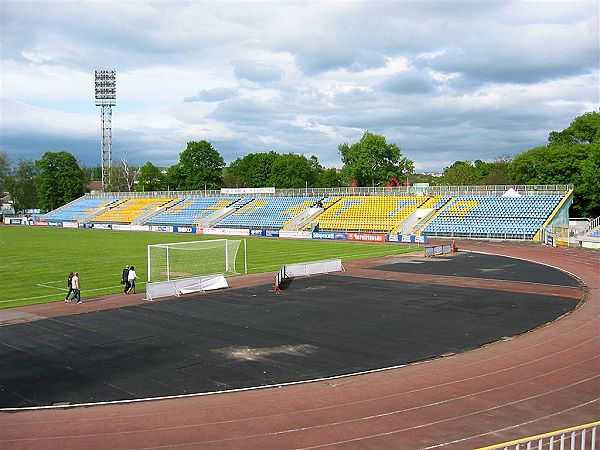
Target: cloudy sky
{"type": "Point", "coordinates": [444, 80]}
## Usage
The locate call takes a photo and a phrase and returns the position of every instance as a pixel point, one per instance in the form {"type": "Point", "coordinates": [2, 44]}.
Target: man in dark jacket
{"type": "Point", "coordinates": [124, 277]}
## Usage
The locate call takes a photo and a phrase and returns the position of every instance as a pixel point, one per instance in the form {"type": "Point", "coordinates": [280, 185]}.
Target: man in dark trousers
{"type": "Point", "coordinates": [124, 277]}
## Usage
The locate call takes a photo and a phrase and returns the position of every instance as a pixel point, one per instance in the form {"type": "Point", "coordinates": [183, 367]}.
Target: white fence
{"type": "Point", "coordinates": [582, 437]}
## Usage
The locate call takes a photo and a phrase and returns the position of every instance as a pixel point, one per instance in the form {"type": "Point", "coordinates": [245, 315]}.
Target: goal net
{"type": "Point", "coordinates": [179, 260]}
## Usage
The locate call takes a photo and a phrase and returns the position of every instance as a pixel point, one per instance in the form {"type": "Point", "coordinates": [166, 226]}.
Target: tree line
{"type": "Point", "coordinates": [571, 156]}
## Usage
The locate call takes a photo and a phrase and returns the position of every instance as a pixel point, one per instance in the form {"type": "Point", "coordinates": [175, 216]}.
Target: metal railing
{"type": "Point", "coordinates": [582, 437]}
{"type": "Point", "coordinates": [594, 224]}
{"type": "Point", "coordinates": [485, 190]}
{"type": "Point", "coordinates": [485, 236]}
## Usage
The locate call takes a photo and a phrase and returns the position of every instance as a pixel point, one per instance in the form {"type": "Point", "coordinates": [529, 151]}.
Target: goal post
{"type": "Point", "coordinates": [179, 260]}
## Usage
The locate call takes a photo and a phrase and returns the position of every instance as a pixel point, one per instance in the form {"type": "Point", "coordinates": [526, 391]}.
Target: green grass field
{"type": "Point", "coordinates": [35, 261]}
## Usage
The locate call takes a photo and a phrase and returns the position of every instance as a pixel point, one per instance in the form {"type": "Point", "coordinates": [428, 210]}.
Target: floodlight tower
{"type": "Point", "coordinates": [106, 98]}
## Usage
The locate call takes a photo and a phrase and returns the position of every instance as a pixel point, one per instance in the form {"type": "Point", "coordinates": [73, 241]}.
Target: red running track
{"type": "Point", "coordinates": [540, 381]}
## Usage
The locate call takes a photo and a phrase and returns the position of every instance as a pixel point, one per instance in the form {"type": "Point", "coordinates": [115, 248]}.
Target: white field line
{"type": "Point", "coordinates": [52, 295]}
{"type": "Point", "coordinates": [51, 287]}
{"type": "Point", "coordinates": [99, 277]}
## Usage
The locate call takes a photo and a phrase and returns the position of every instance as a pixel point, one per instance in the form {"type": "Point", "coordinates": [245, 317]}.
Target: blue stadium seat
{"type": "Point", "coordinates": [78, 209]}
{"type": "Point", "coordinates": [190, 210]}
{"type": "Point", "coordinates": [267, 212]}
{"type": "Point", "coordinates": [488, 216]}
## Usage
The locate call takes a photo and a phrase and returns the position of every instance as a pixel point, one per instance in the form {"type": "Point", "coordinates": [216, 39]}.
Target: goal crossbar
{"type": "Point", "coordinates": [179, 260]}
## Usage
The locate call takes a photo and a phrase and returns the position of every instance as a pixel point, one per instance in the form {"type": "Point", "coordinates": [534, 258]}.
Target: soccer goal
{"type": "Point", "coordinates": [179, 260]}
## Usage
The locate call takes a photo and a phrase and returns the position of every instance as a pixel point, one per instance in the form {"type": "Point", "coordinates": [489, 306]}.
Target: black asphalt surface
{"type": "Point", "coordinates": [320, 326]}
{"type": "Point", "coordinates": [479, 265]}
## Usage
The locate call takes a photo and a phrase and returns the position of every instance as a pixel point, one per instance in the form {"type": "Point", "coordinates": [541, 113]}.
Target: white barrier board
{"type": "Point", "coordinates": [185, 286]}
{"type": "Point", "coordinates": [313, 268]}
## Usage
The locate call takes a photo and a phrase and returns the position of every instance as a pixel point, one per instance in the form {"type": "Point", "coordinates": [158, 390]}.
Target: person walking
{"type": "Point", "coordinates": [131, 277]}
{"type": "Point", "coordinates": [76, 287]}
{"type": "Point", "coordinates": [125, 279]}
{"type": "Point", "coordinates": [70, 277]}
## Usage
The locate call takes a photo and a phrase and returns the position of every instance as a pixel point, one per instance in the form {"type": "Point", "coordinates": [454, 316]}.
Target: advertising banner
{"type": "Point", "coordinates": [257, 233]}
{"type": "Point", "coordinates": [179, 229]}
{"type": "Point", "coordinates": [230, 191]}
{"type": "Point", "coordinates": [407, 238]}
{"type": "Point", "coordinates": [121, 227]}
{"type": "Point", "coordinates": [224, 231]}
{"type": "Point", "coordinates": [272, 233]}
{"type": "Point", "coordinates": [140, 227]}
{"type": "Point", "coordinates": [101, 226]}
{"type": "Point", "coordinates": [295, 234]}
{"type": "Point", "coordinates": [40, 223]}
{"type": "Point", "coordinates": [330, 235]}
{"type": "Point", "coordinates": [367, 237]}
{"type": "Point", "coordinates": [161, 228]}
{"type": "Point", "coordinates": [70, 225]}
{"type": "Point", "coordinates": [55, 224]}
{"type": "Point", "coordinates": [18, 221]}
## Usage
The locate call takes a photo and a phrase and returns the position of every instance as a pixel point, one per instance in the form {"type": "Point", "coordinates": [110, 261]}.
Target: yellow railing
{"type": "Point", "coordinates": [555, 439]}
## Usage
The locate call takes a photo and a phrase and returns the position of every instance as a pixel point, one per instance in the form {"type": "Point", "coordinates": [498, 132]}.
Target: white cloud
{"type": "Point", "coordinates": [444, 80]}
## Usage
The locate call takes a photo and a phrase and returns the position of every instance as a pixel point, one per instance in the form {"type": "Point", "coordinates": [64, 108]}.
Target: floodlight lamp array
{"type": "Point", "coordinates": [106, 88]}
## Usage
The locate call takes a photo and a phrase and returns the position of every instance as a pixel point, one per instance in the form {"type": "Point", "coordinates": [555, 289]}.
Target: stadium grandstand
{"type": "Point", "coordinates": [475, 216]}
{"type": "Point", "coordinates": [376, 213]}
{"type": "Point", "coordinates": [190, 210]}
{"type": "Point", "coordinates": [81, 208]}
{"type": "Point", "coordinates": [488, 212]}
{"type": "Point", "coordinates": [268, 212]}
{"type": "Point", "coordinates": [129, 210]}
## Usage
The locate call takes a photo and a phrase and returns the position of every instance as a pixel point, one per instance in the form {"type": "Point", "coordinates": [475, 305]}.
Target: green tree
{"type": "Point", "coordinates": [123, 176]}
{"type": "Point", "coordinates": [462, 173]}
{"type": "Point", "coordinates": [584, 129]}
{"type": "Point", "coordinates": [59, 181]}
{"type": "Point", "coordinates": [253, 170]}
{"type": "Point", "coordinates": [330, 178]}
{"type": "Point", "coordinates": [372, 160]}
{"type": "Point", "coordinates": [231, 180]}
{"type": "Point", "coordinates": [21, 186]}
{"type": "Point", "coordinates": [4, 171]}
{"type": "Point", "coordinates": [200, 166]}
{"type": "Point", "coordinates": [292, 171]}
{"type": "Point", "coordinates": [499, 171]}
{"type": "Point", "coordinates": [569, 158]}
{"type": "Point", "coordinates": [150, 178]}
{"type": "Point", "coordinates": [589, 189]}
{"type": "Point", "coordinates": [553, 164]}
{"type": "Point", "coordinates": [93, 173]}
